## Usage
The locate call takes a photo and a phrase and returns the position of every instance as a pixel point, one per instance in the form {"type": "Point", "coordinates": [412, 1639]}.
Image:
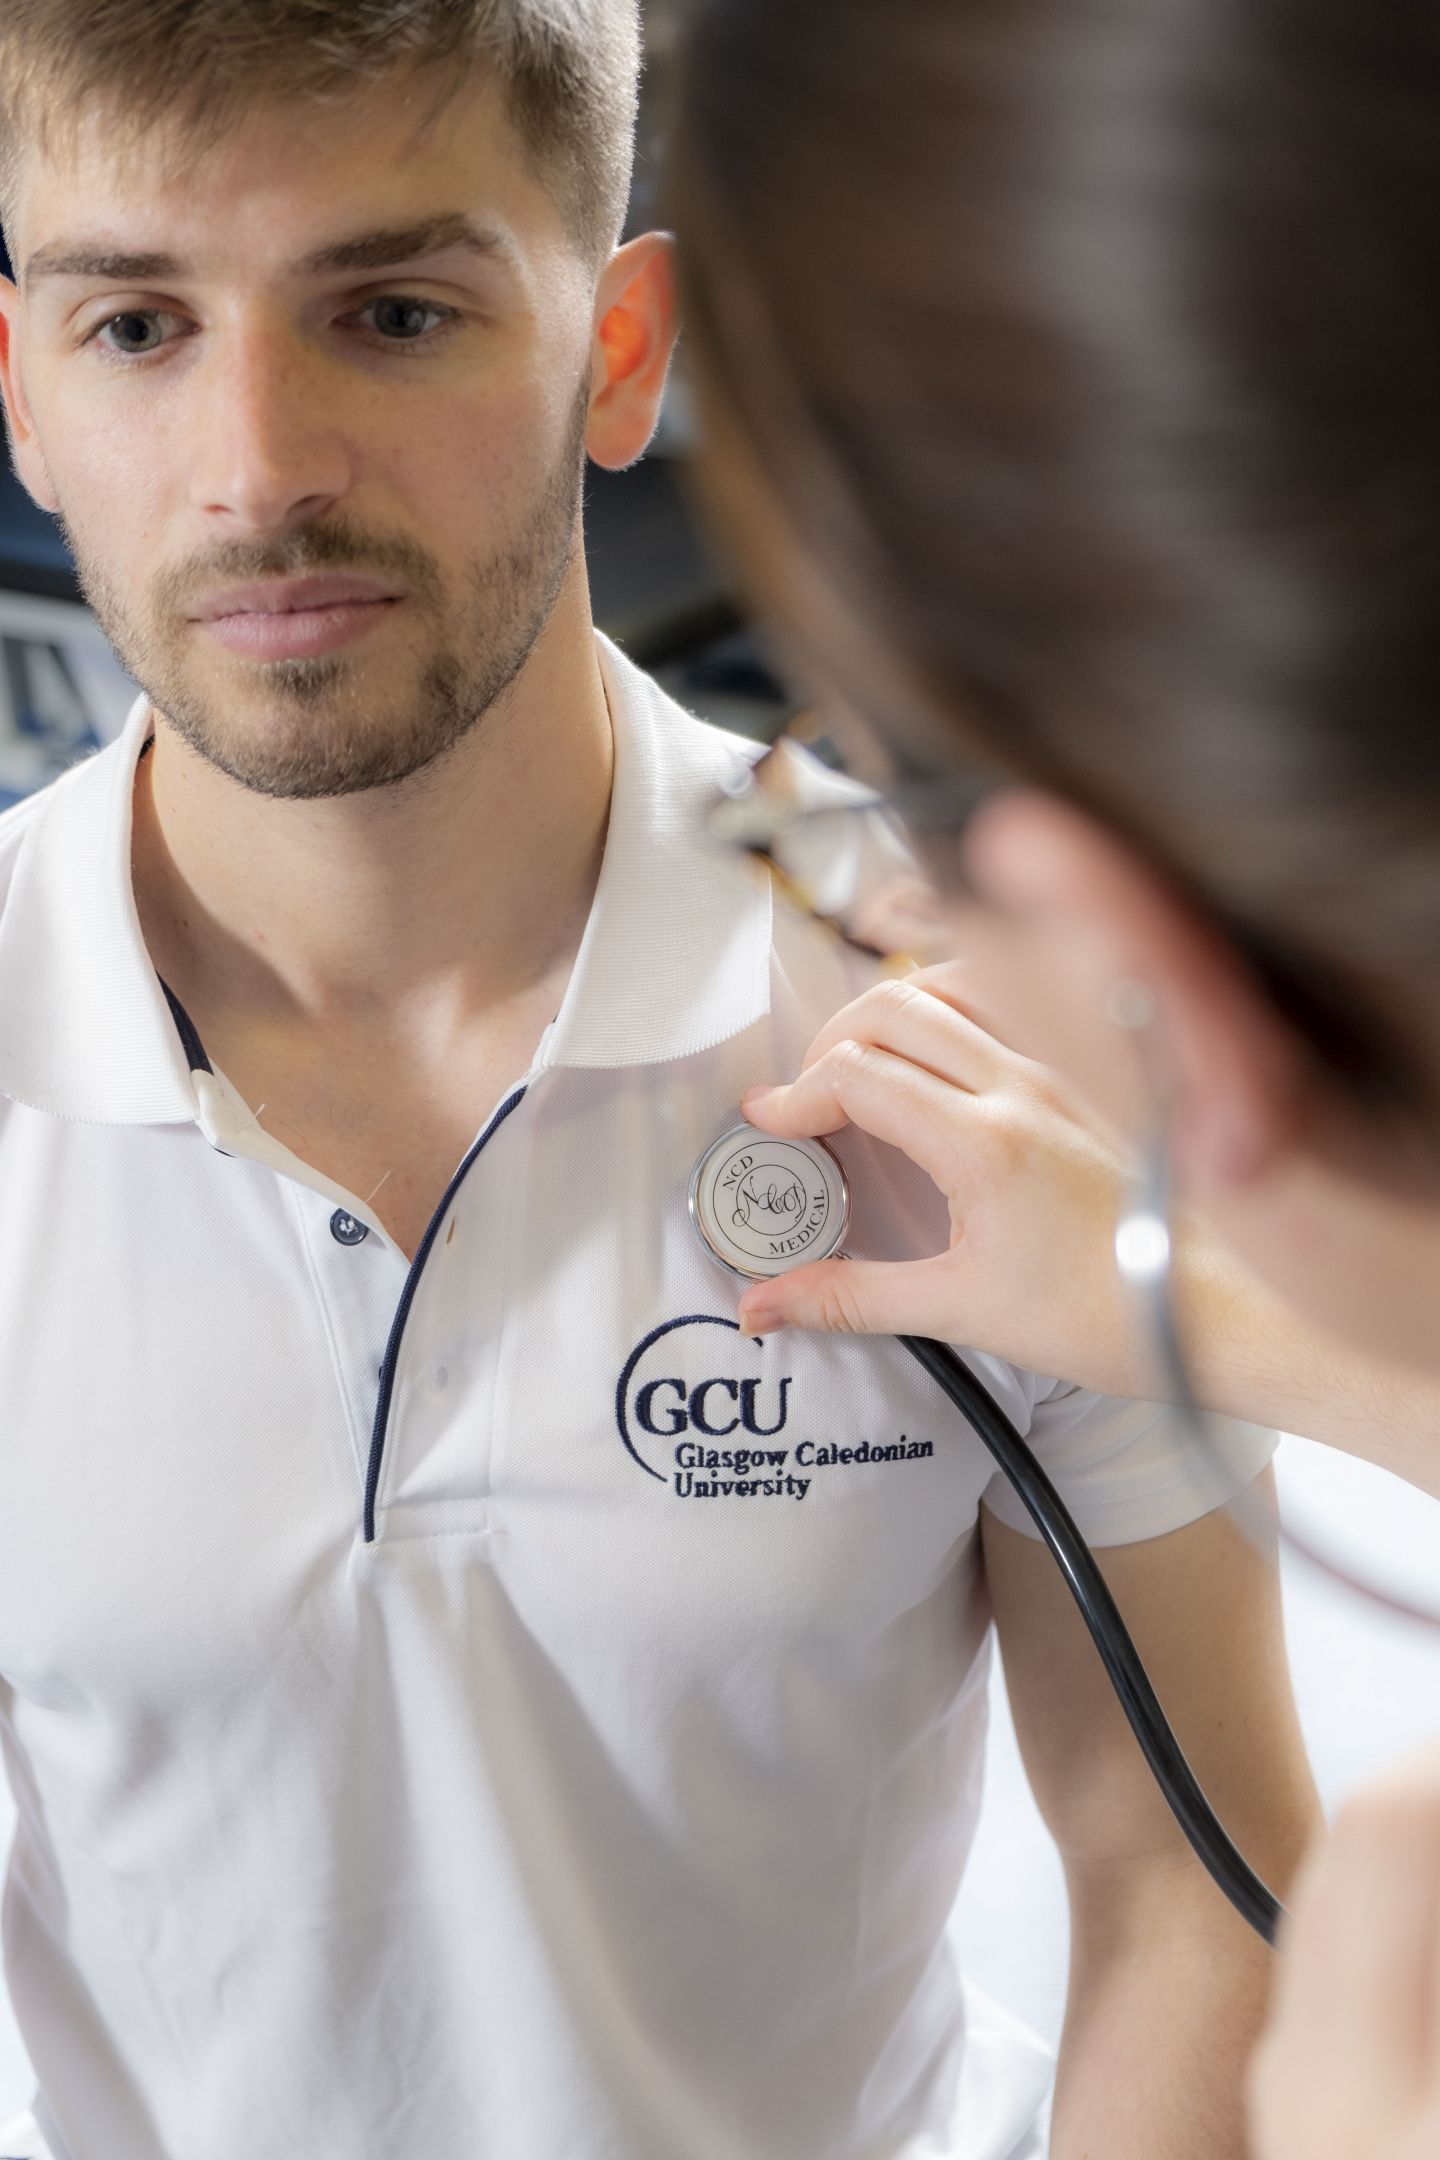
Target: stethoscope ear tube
{"type": "Point", "coordinates": [1162, 1751]}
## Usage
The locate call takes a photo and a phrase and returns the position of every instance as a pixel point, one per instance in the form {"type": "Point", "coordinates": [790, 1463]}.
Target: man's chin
{"type": "Point", "coordinates": [300, 682]}
{"type": "Point", "coordinates": [301, 731]}
{"type": "Point", "coordinates": [312, 770]}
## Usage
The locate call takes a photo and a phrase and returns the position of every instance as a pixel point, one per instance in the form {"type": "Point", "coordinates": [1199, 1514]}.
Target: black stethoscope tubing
{"type": "Point", "coordinates": [825, 1204]}
{"type": "Point", "coordinates": [1182, 1790]}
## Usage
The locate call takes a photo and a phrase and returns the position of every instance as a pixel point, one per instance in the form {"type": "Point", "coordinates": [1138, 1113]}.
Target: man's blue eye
{"type": "Point", "coordinates": [145, 328]}
{"type": "Point", "coordinates": [402, 319]}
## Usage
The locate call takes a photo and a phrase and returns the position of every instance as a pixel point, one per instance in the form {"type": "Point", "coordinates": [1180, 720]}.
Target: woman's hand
{"type": "Point", "coordinates": [1034, 1192]}
{"type": "Point", "coordinates": [1034, 1189]}
{"type": "Point", "coordinates": [1349, 2068]}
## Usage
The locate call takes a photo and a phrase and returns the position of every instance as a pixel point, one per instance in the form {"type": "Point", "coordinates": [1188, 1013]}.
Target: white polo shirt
{"type": "Point", "coordinates": [489, 1707]}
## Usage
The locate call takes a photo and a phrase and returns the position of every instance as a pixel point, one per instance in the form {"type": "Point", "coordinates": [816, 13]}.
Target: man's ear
{"type": "Point", "coordinates": [636, 325]}
{"type": "Point", "coordinates": [25, 452]}
{"type": "Point", "coordinates": [1075, 911]}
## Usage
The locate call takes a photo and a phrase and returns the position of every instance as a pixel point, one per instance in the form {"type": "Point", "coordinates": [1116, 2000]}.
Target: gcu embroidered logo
{"type": "Point", "coordinates": [714, 1435]}
{"type": "Point", "coordinates": [677, 1416]}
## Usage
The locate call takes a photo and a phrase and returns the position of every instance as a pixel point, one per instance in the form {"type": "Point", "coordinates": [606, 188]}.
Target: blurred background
{"type": "Point", "coordinates": [1369, 1686]}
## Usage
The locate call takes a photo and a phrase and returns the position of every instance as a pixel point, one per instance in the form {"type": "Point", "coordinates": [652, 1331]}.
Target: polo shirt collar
{"type": "Point", "coordinates": [85, 1029]}
{"type": "Point", "coordinates": [675, 956]}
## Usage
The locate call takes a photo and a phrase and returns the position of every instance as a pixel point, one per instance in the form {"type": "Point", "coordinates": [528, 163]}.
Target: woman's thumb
{"type": "Point", "coordinates": [851, 1297]}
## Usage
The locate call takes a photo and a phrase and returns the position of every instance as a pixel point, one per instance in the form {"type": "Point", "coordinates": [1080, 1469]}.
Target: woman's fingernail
{"type": "Point", "coordinates": [760, 1320]}
{"type": "Point", "coordinates": [754, 1098]}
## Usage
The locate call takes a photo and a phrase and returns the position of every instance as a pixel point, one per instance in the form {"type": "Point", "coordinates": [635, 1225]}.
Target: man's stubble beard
{"type": "Point", "coordinates": [322, 736]}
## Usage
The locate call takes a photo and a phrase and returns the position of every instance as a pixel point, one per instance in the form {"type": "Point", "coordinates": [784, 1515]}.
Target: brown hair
{"type": "Point", "coordinates": [1091, 346]}
{"type": "Point", "coordinates": [570, 69]}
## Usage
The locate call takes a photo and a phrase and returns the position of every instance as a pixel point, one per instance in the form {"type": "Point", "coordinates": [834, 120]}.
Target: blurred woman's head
{"type": "Point", "coordinates": [1070, 373]}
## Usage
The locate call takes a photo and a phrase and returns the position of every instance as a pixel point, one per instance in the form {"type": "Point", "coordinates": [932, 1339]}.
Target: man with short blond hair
{"type": "Point", "coordinates": [462, 1697]}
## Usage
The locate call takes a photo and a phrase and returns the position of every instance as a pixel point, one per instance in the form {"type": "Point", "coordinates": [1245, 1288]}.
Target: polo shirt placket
{"type": "Point", "coordinates": [434, 1321]}
{"type": "Point", "coordinates": [427, 1461]}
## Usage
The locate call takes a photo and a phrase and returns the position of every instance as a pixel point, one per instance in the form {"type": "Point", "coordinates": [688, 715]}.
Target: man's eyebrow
{"type": "Point", "coordinates": [376, 250]}
{"type": "Point", "coordinates": [84, 259]}
{"type": "Point", "coordinates": [406, 243]}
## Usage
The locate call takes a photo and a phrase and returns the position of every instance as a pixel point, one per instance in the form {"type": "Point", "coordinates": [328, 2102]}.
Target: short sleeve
{"type": "Point", "coordinates": [1131, 1470]}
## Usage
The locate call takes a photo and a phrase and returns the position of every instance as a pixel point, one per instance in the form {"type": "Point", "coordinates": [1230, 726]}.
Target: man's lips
{"type": "Point", "coordinates": [297, 620]}
{"type": "Point", "coordinates": [293, 596]}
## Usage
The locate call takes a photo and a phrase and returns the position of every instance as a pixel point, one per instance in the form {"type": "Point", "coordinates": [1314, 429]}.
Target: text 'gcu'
{"type": "Point", "coordinates": [726, 1435]}
{"type": "Point", "coordinates": [678, 1412]}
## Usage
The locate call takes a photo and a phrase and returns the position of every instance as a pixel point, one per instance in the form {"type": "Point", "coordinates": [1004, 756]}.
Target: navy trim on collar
{"type": "Point", "coordinates": [189, 1035]}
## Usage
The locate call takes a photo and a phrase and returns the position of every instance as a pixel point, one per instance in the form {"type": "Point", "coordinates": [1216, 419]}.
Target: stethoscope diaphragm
{"type": "Point", "coordinates": [763, 1206]}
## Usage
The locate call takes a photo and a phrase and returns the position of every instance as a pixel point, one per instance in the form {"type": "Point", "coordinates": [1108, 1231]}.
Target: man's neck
{"type": "Point", "coordinates": [420, 906]}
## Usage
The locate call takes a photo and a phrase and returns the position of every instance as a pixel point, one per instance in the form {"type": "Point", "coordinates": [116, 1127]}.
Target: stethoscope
{"type": "Point", "coordinates": [762, 1206]}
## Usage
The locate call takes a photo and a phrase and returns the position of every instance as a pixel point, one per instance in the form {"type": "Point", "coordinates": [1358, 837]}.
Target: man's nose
{"type": "Point", "coordinates": [270, 451]}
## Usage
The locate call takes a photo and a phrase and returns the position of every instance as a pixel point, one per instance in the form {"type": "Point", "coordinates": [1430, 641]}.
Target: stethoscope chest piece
{"type": "Point", "coordinates": [763, 1206]}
